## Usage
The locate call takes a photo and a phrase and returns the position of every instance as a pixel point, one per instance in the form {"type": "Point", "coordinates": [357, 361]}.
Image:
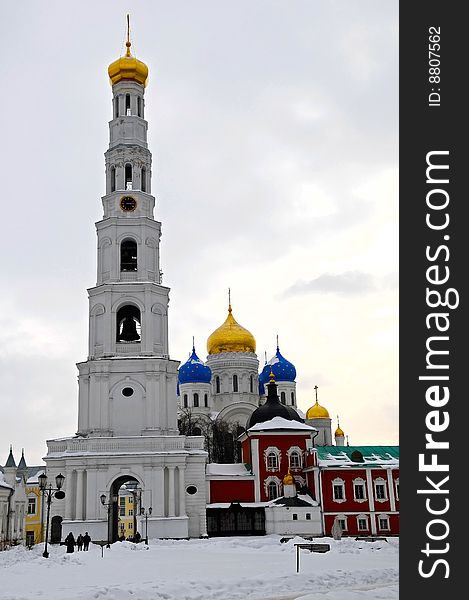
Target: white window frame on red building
{"type": "Point", "coordinates": [278, 483]}
{"type": "Point", "coordinates": [343, 518]}
{"type": "Point", "coordinates": [359, 481]}
{"type": "Point", "coordinates": [295, 450]}
{"type": "Point", "coordinates": [396, 488]}
{"type": "Point", "coordinates": [379, 481]}
{"type": "Point", "coordinates": [269, 451]}
{"type": "Point", "coordinates": [339, 483]}
{"type": "Point", "coordinates": [384, 517]}
{"type": "Point", "coordinates": [363, 518]}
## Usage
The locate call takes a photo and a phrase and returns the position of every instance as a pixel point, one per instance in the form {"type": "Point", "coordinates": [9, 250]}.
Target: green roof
{"type": "Point", "coordinates": [371, 454]}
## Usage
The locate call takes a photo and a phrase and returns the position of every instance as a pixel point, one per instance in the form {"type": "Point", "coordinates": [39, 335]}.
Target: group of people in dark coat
{"type": "Point", "coordinates": [82, 542]}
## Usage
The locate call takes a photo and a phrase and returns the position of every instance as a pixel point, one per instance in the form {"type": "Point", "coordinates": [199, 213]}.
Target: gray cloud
{"type": "Point", "coordinates": [348, 283]}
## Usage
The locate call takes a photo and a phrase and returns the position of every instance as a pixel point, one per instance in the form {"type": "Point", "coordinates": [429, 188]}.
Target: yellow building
{"type": "Point", "coordinates": [34, 511]}
{"type": "Point", "coordinates": [127, 517]}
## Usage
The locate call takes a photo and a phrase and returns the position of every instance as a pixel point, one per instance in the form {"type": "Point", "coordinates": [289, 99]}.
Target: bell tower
{"type": "Point", "coordinates": [127, 385]}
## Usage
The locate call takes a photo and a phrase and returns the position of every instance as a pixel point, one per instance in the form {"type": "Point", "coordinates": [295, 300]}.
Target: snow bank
{"type": "Point", "coordinates": [250, 568]}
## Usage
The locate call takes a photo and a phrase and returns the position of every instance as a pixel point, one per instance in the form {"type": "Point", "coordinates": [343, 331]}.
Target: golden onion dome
{"type": "Point", "coordinates": [339, 432]}
{"type": "Point", "coordinates": [127, 67]}
{"type": "Point", "coordinates": [231, 337]}
{"type": "Point", "coordinates": [317, 412]}
{"type": "Point", "coordinates": [288, 479]}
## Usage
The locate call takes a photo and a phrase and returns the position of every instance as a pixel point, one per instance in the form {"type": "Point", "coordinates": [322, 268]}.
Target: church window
{"type": "Point", "coordinates": [294, 517]}
{"type": "Point", "coordinates": [206, 400]}
{"type": "Point", "coordinates": [343, 523]}
{"type": "Point", "coordinates": [380, 490]}
{"type": "Point", "coordinates": [191, 490]}
{"type": "Point", "coordinates": [359, 490]}
{"type": "Point", "coordinates": [272, 490]}
{"type": "Point", "coordinates": [127, 392]}
{"type": "Point", "coordinates": [292, 399]}
{"type": "Point", "coordinates": [128, 324]}
{"type": "Point", "coordinates": [308, 516]}
{"type": "Point", "coordinates": [196, 431]}
{"type": "Point", "coordinates": [217, 384]}
{"type": "Point", "coordinates": [383, 522]}
{"type": "Point", "coordinates": [139, 106]}
{"type": "Point", "coordinates": [144, 180]}
{"type": "Point", "coordinates": [295, 460]}
{"type": "Point", "coordinates": [251, 384]}
{"type": "Point", "coordinates": [282, 398]}
{"type": "Point", "coordinates": [196, 400]}
{"type": "Point", "coordinates": [185, 400]}
{"type": "Point", "coordinates": [128, 255]}
{"type": "Point", "coordinates": [235, 383]}
{"type": "Point", "coordinates": [362, 522]}
{"type": "Point", "coordinates": [32, 506]}
{"type": "Point", "coordinates": [116, 107]}
{"type": "Point", "coordinates": [127, 105]}
{"type": "Point", "coordinates": [128, 176]}
{"type": "Point", "coordinates": [113, 179]}
{"type": "Point", "coordinates": [338, 490]}
{"type": "Point", "coordinates": [272, 461]}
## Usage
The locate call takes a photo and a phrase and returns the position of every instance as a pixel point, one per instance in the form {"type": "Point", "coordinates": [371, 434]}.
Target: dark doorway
{"type": "Point", "coordinates": [235, 520]}
{"type": "Point", "coordinates": [56, 530]}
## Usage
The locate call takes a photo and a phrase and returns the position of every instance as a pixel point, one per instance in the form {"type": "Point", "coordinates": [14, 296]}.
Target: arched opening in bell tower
{"type": "Point", "coordinates": [127, 105]}
{"type": "Point", "coordinates": [124, 507]}
{"type": "Point", "coordinates": [113, 179]}
{"type": "Point", "coordinates": [128, 324]}
{"type": "Point", "coordinates": [129, 255]}
{"type": "Point", "coordinates": [128, 176]}
{"type": "Point", "coordinates": [144, 180]}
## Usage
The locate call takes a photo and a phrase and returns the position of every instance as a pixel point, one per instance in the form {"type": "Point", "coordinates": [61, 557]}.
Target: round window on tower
{"type": "Point", "coordinates": [127, 392]}
{"type": "Point", "coordinates": [191, 489]}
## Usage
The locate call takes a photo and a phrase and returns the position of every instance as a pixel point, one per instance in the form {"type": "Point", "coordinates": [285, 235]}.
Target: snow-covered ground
{"type": "Point", "coordinates": [252, 568]}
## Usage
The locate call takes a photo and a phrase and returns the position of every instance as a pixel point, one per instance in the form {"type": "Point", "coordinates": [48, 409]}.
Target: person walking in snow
{"type": "Point", "coordinates": [86, 541]}
{"type": "Point", "coordinates": [80, 542]}
{"type": "Point", "coordinates": [70, 541]}
{"type": "Point", "coordinates": [137, 537]}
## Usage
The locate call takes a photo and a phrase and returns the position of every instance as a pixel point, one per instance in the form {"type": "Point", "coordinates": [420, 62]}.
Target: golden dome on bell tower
{"type": "Point", "coordinates": [317, 411]}
{"type": "Point", "coordinates": [127, 67]}
{"type": "Point", "coordinates": [231, 337]}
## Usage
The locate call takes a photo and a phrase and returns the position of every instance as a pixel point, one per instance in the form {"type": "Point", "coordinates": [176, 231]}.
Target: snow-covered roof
{"type": "Point", "coordinates": [281, 423]}
{"type": "Point", "coordinates": [3, 483]}
{"type": "Point", "coordinates": [34, 478]}
{"type": "Point", "coordinates": [229, 470]}
{"type": "Point", "coordinates": [298, 500]}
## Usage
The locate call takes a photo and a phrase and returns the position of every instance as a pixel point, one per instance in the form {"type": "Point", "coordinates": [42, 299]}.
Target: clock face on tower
{"type": "Point", "coordinates": [128, 203]}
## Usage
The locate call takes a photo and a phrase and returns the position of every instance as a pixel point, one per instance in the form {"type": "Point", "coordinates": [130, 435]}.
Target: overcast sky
{"type": "Point", "coordinates": [274, 132]}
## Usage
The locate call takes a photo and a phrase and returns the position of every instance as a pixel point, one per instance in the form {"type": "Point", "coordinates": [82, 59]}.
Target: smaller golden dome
{"type": "Point", "coordinates": [317, 412]}
{"type": "Point", "coordinates": [231, 337]}
{"type": "Point", "coordinates": [128, 67]}
{"type": "Point", "coordinates": [288, 479]}
{"type": "Point", "coordinates": [339, 432]}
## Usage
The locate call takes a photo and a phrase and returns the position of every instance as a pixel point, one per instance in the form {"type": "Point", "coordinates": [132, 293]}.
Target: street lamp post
{"type": "Point", "coordinates": [145, 513]}
{"type": "Point", "coordinates": [112, 500]}
{"type": "Point", "coordinates": [47, 493]}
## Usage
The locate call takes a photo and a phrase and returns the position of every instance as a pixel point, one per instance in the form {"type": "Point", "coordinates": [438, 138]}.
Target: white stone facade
{"type": "Point", "coordinates": [127, 408]}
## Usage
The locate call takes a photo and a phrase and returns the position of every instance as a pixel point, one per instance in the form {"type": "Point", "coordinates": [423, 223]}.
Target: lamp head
{"type": "Point", "coordinates": [59, 481]}
{"type": "Point", "coordinates": [42, 481]}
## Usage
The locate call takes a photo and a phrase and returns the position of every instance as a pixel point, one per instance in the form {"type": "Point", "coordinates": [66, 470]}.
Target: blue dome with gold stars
{"type": "Point", "coordinates": [282, 369]}
{"type": "Point", "coordinates": [194, 371]}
